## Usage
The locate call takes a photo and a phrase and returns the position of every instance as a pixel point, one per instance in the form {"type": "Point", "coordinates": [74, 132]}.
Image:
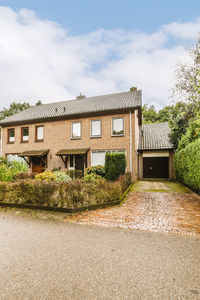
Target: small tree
{"type": "Point", "coordinates": [115, 165]}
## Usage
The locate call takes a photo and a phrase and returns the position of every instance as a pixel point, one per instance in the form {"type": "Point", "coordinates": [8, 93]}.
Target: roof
{"type": "Point", "coordinates": [72, 108]}
{"type": "Point", "coordinates": [154, 137]}
{"type": "Point", "coordinates": [72, 151]}
{"type": "Point", "coordinates": [33, 153]}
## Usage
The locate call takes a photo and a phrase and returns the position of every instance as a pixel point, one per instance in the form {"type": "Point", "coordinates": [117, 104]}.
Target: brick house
{"type": "Point", "coordinates": [76, 134]}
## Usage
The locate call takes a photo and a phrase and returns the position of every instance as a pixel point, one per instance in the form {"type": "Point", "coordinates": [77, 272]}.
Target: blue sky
{"type": "Point", "coordinates": [53, 50]}
{"type": "Point", "coordinates": [83, 16]}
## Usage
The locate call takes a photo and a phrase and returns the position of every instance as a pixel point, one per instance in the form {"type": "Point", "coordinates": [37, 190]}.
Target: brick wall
{"type": "Point", "coordinates": [57, 136]}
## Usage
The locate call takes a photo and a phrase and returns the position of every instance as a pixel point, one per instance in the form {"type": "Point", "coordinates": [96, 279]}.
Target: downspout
{"type": "Point", "coordinates": [131, 146]}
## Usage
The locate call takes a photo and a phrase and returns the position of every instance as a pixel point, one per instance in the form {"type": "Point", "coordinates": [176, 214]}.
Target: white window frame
{"type": "Point", "coordinates": [78, 137]}
{"type": "Point", "coordinates": [111, 151]}
{"type": "Point", "coordinates": [112, 122]}
{"type": "Point", "coordinates": [95, 120]}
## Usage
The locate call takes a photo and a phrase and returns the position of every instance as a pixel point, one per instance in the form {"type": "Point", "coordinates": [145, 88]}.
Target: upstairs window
{"type": "Point", "coordinates": [95, 128]}
{"type": "Point", "coordinates": [117, 126]}
{"type": "Point", "coordinates": [11, 135]}
{"type": "Point", "coordinates": [76, 130]}
{"type": "Point", "coordinates": [39, 133]}
{"type": "Point", "coordinates": [25, 134]}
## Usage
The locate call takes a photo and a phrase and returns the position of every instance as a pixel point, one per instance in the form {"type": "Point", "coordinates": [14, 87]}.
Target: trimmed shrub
{"type": "Point", "coordinates": [23, 175]}
{"type": "Point", "coordinates": [74, 174]}
{"type": "Point", "coordinates": [71, 194]}
{"type": "Point", "coordinates": [62, 177]}
{"type": "Point", "coordinates": [98, 170]}
{"type": "Point", "coordinates": [47, 176]}
{"type": "Point", "coordinates": [187, 165]}
{"type": "Point", "coordinates": [115, 165]}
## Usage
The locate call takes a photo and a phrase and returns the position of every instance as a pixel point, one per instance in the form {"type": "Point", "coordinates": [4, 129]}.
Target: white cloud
{"type": "Point", "coordinates": [40, 60]}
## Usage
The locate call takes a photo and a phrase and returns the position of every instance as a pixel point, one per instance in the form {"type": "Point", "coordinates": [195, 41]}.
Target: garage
{"type": "Point", "coordinates": [155, 152]}
{"type": "Point", "coordinates": [155, 167]}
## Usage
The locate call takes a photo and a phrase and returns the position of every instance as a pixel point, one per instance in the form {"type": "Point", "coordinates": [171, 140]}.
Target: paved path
{"type": "Point", "coordinates": [48, 260]}
{"type": "Point", "coordinates": [153, 206]}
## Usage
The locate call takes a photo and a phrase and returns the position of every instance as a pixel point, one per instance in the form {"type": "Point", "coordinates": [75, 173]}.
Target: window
{"type": "Point", "coordinates": [98, 157]}
{"type": "Point", "coordinates": [11, 135]}
{"type": "Point", "coordinates": [39, 133]}
{"type": "Point", "coordinates": [95, 128]}
{"type": "Point", "coordinates": [24, 134]}
{"type": "Point", "coordinates": [76, 130]}
{"type": "Point", "coordinates": [117, 126]}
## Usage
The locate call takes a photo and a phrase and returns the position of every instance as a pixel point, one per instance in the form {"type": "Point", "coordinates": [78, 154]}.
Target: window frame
{"type": "Point", "coordinates": [78, 137]}
{"type": "Point", "coordinates": [112, 127]}
{"type": "Point", "coordinates": [36, 133]}
{"type": "Point", "coordinates": [8, 136]}
{"type": "Point", "coordinates": [96, 136]}
{"type": "Point", "coordinates": [22, 128]}
{"type": "Point", "coordinates": [107, 150]}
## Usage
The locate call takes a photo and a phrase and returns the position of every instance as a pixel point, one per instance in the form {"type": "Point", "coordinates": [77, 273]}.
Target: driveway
{"type": "Point", "coordinates": [47, 260]}
{"type": "Point", "coordinates": [161, 206]}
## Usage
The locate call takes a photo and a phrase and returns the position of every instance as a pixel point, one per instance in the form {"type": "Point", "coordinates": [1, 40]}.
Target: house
{"type": "Point", "coordinates": [76, 134]}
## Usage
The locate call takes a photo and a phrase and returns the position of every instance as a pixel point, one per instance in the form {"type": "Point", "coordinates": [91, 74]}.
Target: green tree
{"type": "Point", "coordinates": [13, 109]}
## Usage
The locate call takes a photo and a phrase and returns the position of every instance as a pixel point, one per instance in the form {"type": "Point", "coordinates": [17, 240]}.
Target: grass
{"type": "Point", "coordinates": [160, 186]}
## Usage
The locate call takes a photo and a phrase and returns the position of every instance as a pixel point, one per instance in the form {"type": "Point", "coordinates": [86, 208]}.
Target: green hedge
{"type": "Point", "coordinates": [187, 165]}
{"type": "Point", "coordinates": [73, 194]}
{"type": "Point", "coordinates": [115, 165]}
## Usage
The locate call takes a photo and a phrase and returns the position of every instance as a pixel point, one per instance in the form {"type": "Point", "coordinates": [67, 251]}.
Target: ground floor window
{"type": "Point", "coordinates": [98, 157]}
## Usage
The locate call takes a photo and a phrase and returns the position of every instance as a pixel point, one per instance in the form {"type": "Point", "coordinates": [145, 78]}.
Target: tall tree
{"type": "Point", "coordinates": [13, 109]}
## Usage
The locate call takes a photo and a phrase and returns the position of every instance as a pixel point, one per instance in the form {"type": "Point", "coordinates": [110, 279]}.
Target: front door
{"type": "Point", "coordinates": [38, 165]}
{"type": "Point", "coordinates": [79, 162]}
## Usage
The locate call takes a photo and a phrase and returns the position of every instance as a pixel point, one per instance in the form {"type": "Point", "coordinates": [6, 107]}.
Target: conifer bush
{"type": "Point", "coordinates": [115, 165]}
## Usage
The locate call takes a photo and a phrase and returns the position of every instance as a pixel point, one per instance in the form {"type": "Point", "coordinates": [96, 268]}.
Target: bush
{"type": "Point", "coordinates": [62, 177]}
{"type": "Point", "coordinates": [47, 176]}
{"type": "Point", "coordinates": [23, 175]}
{"type": "Point", "coordinates": [98, 170]}
{"type": "Point", "coordinates": [125, 180]}
{"type": "Point", "coordinates": [71, 194]}
{"type": "Point", "coordinates": [8, 169]}
{"type": "Point", "coordinates": [74, 174]}
{"type": "Point", "coordinates": [115, 165]}
{"type": "Point", "coordinates": [92, 178]}
{"type": "Point", "coordinates": [187, 165]}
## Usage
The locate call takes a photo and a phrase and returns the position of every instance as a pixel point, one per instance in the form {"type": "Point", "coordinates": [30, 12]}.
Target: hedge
{"type": "Point", "coordinates": [187, 165]}
{"type": "Point", "coordinates": [115, 165]}
{"type": "Point", "coordinates": [71, 195]}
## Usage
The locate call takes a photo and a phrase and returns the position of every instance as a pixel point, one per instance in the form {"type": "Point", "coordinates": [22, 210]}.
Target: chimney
{"type": "Point", "coordinates": [133, 89]}
{"type": "Point", "coordinates": [39, 102]}
{"type": "Point", "coordinates": [80, 96]}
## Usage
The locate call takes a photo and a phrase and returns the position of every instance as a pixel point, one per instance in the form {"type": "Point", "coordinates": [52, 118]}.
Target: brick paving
{"type": "Point", "coordinates": [151, 211]}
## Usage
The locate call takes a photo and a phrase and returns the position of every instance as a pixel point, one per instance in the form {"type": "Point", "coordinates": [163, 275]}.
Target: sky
{"type": "Point", "coordinates": [53, 50]}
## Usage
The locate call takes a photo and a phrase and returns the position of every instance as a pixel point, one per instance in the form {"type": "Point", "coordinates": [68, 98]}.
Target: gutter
{"type": "Point", "coordinates": [131, 146]}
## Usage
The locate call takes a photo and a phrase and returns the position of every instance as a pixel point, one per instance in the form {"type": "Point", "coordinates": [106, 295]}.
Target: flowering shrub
{"type": "Point", "coordinates": [62, 177]}
{"type": "Point", "coordinates": [47, 176]}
